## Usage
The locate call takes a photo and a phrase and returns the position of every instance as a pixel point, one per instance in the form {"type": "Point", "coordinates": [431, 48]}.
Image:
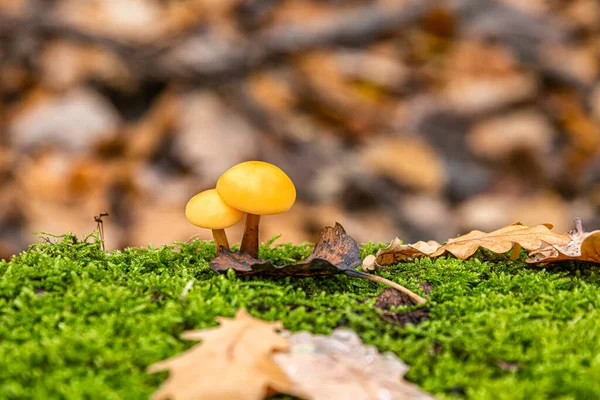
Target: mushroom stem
{"type": "Point", "coordinates": [220, 239]}
{"type": "Point", "coordinates": [250, 239]}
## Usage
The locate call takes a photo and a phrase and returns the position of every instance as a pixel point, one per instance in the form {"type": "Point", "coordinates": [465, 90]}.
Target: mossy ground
{"type": "Point", "coordinates": [77, 322]}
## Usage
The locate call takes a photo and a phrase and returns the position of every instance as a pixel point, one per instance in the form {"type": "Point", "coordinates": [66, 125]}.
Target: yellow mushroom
{"type": "Point", "coordinates": [208, 210]}
{"type": "Point", "coordinates": [257, 188]}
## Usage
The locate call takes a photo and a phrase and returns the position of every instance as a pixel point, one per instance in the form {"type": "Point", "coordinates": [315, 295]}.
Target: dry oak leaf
{"type": "Point", "coordinates": [502, 240]}
{"type": "Point", "coordinates": [583, 246]}
{"type": "Point", "coordinates": [339, 366]}
{"type": "Point", "coordinates": [234, 361]}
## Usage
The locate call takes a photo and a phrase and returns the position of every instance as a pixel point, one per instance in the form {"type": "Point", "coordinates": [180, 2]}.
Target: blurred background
{"type": "Point", "coordinates": [418, 119]}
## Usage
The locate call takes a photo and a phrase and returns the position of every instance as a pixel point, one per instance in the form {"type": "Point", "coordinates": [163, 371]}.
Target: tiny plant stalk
{"type": "Point", "coordinates": [220, 238]}
{"type": "Point", "coordinates": [250, 239]}
{"type": "Point", "coordinates": [359, 274]}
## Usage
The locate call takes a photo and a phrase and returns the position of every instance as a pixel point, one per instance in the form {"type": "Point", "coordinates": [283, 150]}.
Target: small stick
{"type": "Point", "coordinates": [359, 274]}
{"type": "Point", "coordinates": [100, 226]}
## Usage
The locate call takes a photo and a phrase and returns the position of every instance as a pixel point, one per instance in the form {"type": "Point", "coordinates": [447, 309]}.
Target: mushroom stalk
{"type": "Point", "coordinates": [220, 239]}
{"type": "Point", "coordinates": [250, 239]}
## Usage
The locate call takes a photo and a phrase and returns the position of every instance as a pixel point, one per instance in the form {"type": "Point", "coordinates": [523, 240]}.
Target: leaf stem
{"type": "Point", "coordinates": [375, 278]}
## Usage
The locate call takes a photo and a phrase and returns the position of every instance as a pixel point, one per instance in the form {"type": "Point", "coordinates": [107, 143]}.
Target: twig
{"type": "Point", "coordinates": [375, 278]}
{"type": "Point", "coordinates": [186, 289]}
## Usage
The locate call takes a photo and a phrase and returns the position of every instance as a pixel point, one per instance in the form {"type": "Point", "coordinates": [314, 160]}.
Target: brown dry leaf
{"type": "Point", "coordinates": [199, 139]}
{"type": "Point", "coordinates": [499, 241]}
{"type": "Point", "coordinates": [499, 137]}
{"type": "Point", "coordinates": [409, 161]}
{"type": "Point", "coordinates": [584, 246]}
{"type": "Point", "coordinates": [472, 86]}
{"type": "Point", "coordinates": [75, 120]}
{"type": "Point", "coordinates": [341, 367]}
{"type": "Point", "coordinates": [234, 361]}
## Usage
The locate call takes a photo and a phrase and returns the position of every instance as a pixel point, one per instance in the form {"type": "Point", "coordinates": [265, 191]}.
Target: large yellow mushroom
{"type": "Point", "coordinates": [257, 188]}
{"type": "Point", "coordinates": [208, 210]}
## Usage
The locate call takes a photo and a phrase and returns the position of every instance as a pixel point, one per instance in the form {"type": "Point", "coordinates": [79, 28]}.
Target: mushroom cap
{"type": "Point", "coordinates": [208, 210]}
{"type": "Point", "coordinates": [257, 187]}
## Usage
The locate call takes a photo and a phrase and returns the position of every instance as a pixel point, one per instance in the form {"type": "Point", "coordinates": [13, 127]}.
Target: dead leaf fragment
{"type": "Point", "coordinates": [341, 367]}
{"type": "Point", "coordinates": [499, 241]}
{"type": "Point", "coordinates": [335, 253]}
{"type": "Point", "coordinates": [234, 361]}
{"type": "Point", "coordinates": [410, 162]}
{"type": "Point", "coordinates": [583, 246]}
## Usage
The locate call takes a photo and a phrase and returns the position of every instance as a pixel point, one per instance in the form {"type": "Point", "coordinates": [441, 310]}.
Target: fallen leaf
{"type": "Point", "coordinates": [234, 361]}
{"type": "Point", "coordinates": [75, 121]}
{"type": "Point", "coordinates": [335, 253]}
{"type": "Point", "coordinates": [499, 241]}
{"type": "Point", "coordinates": [473, 87]}
{"type": "Point", "coordinates": [397, 251]}
{"type": "Point", "coordinates": [419, 167]}
{"type": "Point", "coordinates": [583, 246]}
{"type": "Point", "coordinates": [341, 367]}
{"type": "Point", "coordinates": [499, 137]}
{"type": "Point", "coordinates": [199, 140]}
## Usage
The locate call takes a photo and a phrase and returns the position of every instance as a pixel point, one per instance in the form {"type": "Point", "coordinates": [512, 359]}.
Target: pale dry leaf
{"type": "Point", "coordinates": [409, 161]}
{"type": "Point", "coordinates": [498, 241]}
{"type": "Point", "coordinates": [583, 246]}
{"type": "Point", "coordinates": [75, 121]}
{"type": "Point", "coordinates": [472, 86]}
{"type": "Point", "coordinates": [397, 251]}
{"type": "Point", "coordinates": [499, 137]}
{"type": "Point", "coordinates": [233, 362]}
{"type": "Point", "coordinates": [340, 366]}
{"type": "Point", "coordinates": [210, 136]}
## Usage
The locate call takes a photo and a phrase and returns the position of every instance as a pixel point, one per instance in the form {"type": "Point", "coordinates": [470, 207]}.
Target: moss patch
{"type": "Point", "coordinates": [77, 322]}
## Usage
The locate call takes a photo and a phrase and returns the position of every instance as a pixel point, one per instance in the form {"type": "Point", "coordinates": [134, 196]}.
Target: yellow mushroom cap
{"type": "Point", "coordinates": [208, 210]}
{"type": "Point", "coordinates": [257, 187]}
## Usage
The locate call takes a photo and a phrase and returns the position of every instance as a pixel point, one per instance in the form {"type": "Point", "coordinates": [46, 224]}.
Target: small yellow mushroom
{"type": "Point", "coordinates": [256, 188]}
{"type": "Point", "coordinates": [208, 210]}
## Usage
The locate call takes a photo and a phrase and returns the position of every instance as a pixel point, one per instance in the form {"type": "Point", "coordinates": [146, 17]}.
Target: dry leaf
{"type": "Point", "coordinates": [234, 361]}
{"type": "Point", "coordinates": [199, 139]}
{"type": "Point", "coordinates": [499, 241]}
{"type": "Point", "coordinates": [335, 253]}
{"type": "Point", "coordinates": [584, 246]}
{"type": "Point", "coordinates": [472, 86]}
{"type": "Point", "coordinates": [341, 367]}
{"type": "Point", "coordinates": [499, 137]}
{"type": "Point", "coordinates": [76, 120]}
{"type": "Point", "coordinates": [409, 161]}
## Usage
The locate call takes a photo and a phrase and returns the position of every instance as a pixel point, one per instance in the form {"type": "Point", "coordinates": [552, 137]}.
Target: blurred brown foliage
{"type": "Point", "coordinates": [414, 118]}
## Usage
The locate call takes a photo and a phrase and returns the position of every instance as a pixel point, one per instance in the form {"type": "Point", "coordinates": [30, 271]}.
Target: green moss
{"type": "Point", "coordinates": [77, 322]}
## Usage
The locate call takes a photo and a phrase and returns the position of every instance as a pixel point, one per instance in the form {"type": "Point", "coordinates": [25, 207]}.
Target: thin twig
{"type": "Point", "coordinates": [414, 297]}
{"type": "Point", "coordinates": [187, 288]}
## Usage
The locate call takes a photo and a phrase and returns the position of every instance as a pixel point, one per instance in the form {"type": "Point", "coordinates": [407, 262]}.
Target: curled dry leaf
{"type": "Point", "coordinates": [335, 253]}
{"type": "Point", "coordinates": [341, 367]}
{"type": "Point", "coordinates": [234, 361]}
{"type": "Point", "coordinates": [583, 246]}
{"type": "Point", "coordinates": [499, 241]}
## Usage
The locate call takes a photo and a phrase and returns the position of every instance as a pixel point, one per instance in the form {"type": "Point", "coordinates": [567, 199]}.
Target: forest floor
{"type": "Point", "coordinates": [79, 322]}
